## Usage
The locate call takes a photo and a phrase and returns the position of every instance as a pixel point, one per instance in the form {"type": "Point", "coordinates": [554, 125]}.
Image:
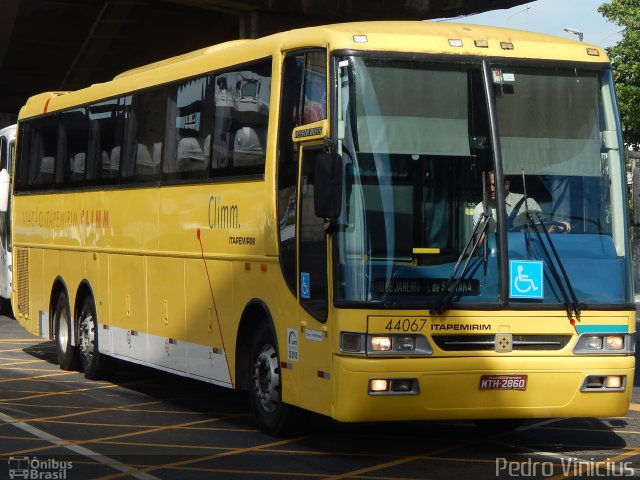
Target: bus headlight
{"type": "Point", "coordinates": [593, 343]}
{"type": "Point", "coordinates": [405, 344]}
{"type": "Point", "coordinates": [380, 344]}
{"type": "Point", "coordinates": [384, 345]}
{"type": "Point", "coordinates": [351, 342]}
{"type": "Point", "coordinates": [614, 342]}
{"type": "Point", "coordinates": [398, 345]}
{"type": "Point", "coordinates": [605, 343]}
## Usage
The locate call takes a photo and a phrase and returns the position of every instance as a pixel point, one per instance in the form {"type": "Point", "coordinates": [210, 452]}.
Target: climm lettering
{"type": "Point", "coordinates": [461, 327]}
{"type": "Point", "coordinates": [221, 216]}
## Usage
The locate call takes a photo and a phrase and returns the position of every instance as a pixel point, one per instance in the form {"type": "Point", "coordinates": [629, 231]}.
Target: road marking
{"type": "Point", "coordinates": [19, 362]}
{"type": "Point", "coordinates": [110, 462]}
{"type": "Point", "coordinates": [122, 435]}
{"type": "Point", "coordinates": [204, 458]}
{"type": "Point", "coordinates": [84, 411]}
{"type": "Point", "coordinates": [576, 468]}
{"type": "Point", "coordinates": [429, 455]}
{"type": "Point", "coordinates": [64, 392]}
{"type": "Point", "coordinates": [37, 377]}
{"type": "Point", "coordinates": [635, 407]}
{"type": "Point", "coordinates": [23, 340]}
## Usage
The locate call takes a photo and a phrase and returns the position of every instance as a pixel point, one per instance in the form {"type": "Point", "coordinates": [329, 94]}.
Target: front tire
{"type": "Point", "coordinates": [66, 352]}
{"type": "Point", "coordinates": [265, 384]}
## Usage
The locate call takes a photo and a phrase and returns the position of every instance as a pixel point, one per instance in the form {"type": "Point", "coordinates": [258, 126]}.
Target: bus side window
{"type": "Point", "coordinates": [242, 100]}
{"type": "Point", "coordinates": [314, 107]}
{"type": "Point", "coordinates": [3, 153]}
{"type": "Point", "coordinates": [72, 148]}
{"type": "Point", "coordinates": [188, 129]}
{"type": "Point", "coordinates": [146, 134]}
{"type": "Point", "coordinates": [288, 154]}
{"type": "Point", "coordinates": [105, 120]}
{"type": "Point", "coordinates": [43, 146]}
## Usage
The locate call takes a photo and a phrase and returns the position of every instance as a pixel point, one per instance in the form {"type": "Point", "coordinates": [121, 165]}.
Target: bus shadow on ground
{"type": "Point", "coordinates": [575, 435]}
{"type": "Point", "coordinates": [43, 351]}
{"type": "Point", "coordinates": [429, 439]}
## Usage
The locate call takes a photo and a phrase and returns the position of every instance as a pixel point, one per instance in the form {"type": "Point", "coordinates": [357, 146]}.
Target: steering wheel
{"type": "Point", "coordinates": [552, 226]}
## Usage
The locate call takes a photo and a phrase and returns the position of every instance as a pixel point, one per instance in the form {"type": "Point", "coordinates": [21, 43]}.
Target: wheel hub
{"type": "Point", "coordinates": [267, 378]}
{"type": "Point", "coordinates": [86, 336]}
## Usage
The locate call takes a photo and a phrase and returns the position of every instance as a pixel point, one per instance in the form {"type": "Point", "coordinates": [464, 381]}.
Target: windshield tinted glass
{"type": "Point", "coordinates": [559, 139]}
{"type": "Point", "coordinates": [418, 162]}
{"type": "Point", "coordinates": [415, 146]}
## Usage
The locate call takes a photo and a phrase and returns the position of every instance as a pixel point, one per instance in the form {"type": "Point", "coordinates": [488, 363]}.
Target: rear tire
{"type": "Point", "coordinates": [265, 385]}
{"type": "Point", "coordinates": [94, 364]}
{"type": "Point", "coordinates": [66, 352]}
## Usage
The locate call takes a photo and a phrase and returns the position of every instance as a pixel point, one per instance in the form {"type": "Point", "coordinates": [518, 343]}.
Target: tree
{"type": "Point", "coordinates": [625, 57]}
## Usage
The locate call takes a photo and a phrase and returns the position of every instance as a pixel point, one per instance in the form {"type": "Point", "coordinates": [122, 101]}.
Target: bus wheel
{"type": "Point", "coordinates": [67, 353]}
{"type": "Point", "coordinates": [90, 358]}
{"type": "Point", "coordinates": [265, 385]}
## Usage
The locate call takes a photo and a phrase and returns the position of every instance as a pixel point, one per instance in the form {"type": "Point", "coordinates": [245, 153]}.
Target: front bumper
{"type": "Point", "coordinates": [449, 388]}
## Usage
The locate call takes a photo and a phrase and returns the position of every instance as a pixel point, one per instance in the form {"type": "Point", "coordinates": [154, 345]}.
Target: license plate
{"type": "Point", "coordinates": [503, 382]}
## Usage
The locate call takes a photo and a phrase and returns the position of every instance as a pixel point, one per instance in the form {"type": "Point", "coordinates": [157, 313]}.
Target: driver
{"type": "Point", "coordinates": [514, 204]}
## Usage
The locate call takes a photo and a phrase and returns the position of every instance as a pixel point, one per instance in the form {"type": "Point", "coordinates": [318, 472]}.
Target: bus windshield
{"type": "Point", "coordinates": [419, 164]}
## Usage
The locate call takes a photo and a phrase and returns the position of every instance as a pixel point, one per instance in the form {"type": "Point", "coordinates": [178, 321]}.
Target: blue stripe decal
{"type": "Point", "coordinates": [602, 329]}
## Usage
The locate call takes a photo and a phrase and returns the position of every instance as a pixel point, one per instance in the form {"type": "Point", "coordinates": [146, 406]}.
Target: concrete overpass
{"type": "Point", "coordinates": [67, 44]}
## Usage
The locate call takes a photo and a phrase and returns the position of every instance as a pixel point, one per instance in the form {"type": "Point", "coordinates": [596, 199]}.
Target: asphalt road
{"type": "Point", "coordinates": [145, 424]}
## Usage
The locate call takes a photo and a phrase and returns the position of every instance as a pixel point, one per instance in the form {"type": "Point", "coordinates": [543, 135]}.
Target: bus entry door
{"type": "Point", "coordinates": [314, 332]}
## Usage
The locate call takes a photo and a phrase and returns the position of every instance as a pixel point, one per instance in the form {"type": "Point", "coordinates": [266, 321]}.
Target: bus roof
{"type": "Point", "coordinates": [439, 38]}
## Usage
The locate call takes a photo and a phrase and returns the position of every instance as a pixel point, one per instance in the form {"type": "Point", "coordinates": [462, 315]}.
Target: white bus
{"type": "Point", "coordinates": [7, 150]}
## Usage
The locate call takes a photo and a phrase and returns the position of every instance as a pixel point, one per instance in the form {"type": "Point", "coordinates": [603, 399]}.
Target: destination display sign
{"type": "Point", "coordinates": [424, 286]}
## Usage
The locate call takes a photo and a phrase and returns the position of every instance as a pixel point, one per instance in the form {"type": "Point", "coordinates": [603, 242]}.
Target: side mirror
{"type": "Point", "coordinates": [5, 183]}
{"type": "Point", "coordinates": [327, 177]}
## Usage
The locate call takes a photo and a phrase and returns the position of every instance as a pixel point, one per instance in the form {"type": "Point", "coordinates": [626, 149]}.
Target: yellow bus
{"type": "Point", "coordinates": [370, 221]}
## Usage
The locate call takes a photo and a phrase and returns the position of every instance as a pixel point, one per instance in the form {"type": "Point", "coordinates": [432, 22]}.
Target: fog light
{"type": "Point", "coordinates": [613, 381]}
{"type": "Point", "coordinates": [615, 342]}
{"type": "Point", "coordinates": [402, 385]}
{"type": "Point", "coordinates": [405, 344]}
{"type": "Point", "coordinates": [378, 385]}
{"type": "Point", "coordinates": [593, 343]}
{"type": "Point", "coordinates": [380, 344]}
{"type": "Point", "coordinates": [351, 342]}
{"type": "Point", "coordinates": [594, 382]}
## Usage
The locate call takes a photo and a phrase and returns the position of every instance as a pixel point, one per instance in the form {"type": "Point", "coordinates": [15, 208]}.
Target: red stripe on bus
{"type": "Point", "coordinates": [46, 105]}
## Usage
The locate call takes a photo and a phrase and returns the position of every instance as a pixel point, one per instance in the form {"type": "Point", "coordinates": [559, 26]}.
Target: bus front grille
{"type": "Point", "coordinates": [463, 343]}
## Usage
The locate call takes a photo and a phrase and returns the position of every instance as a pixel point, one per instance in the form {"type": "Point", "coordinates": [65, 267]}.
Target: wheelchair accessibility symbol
{"type": "Point", "coordinates": [305, 285]}
{"type": "Point", "coordinates": [526, 279]}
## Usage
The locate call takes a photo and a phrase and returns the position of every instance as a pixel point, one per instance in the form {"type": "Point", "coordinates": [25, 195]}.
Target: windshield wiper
{"type": "Point", "coordinates": [478, 235]}
{"type": "Point", "coordinates": [572, 305]}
